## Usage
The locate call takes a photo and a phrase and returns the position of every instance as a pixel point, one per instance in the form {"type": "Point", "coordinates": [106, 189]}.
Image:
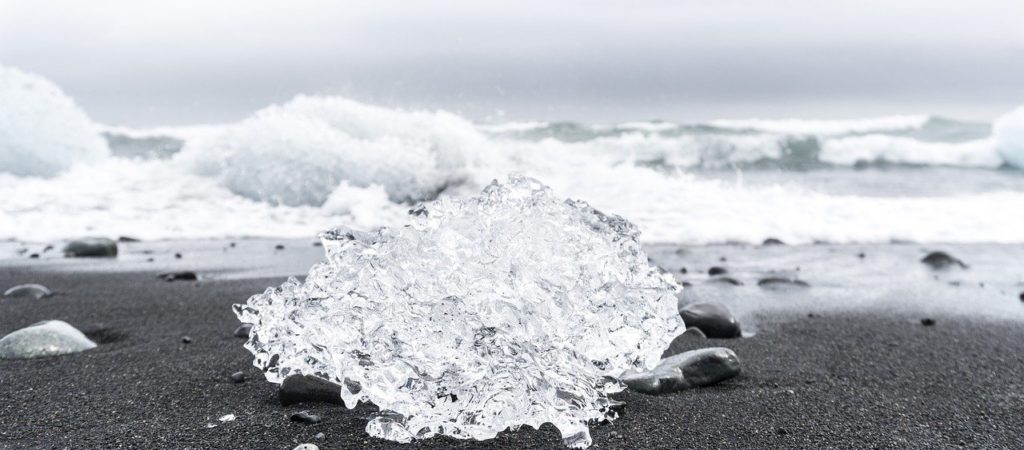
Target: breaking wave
{"type": "Point", "coordinates": [315, 162]}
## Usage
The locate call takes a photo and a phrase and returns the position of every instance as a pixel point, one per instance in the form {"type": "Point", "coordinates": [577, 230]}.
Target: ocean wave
{"type": "Point", "coordinates": [42, 131]}
{"type": "Point", "coordinates": [316, 162]}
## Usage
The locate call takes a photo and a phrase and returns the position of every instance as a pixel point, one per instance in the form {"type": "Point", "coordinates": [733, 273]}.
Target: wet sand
{"type": "Point", "coordinates": [841, 377]}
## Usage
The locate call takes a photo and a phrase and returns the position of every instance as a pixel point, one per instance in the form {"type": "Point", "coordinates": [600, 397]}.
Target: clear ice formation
{"type": "Point", "coordinates": [482, 314]}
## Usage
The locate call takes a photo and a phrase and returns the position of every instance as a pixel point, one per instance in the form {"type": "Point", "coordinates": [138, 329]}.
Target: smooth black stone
{"type": "Point", "coordinates": [714, 319]}
{"type": "Point", "coordinates": [91, 247]}
{"type": "Point", "coordinates": [186, 340]}
{"type": "Point", "coordinates": [726, 280]}
{"type": "Point", "coordinates": [1022, 296]}
{"type": "Point", "coordinates": [238, 377]}
{"type": "Point", "coordinates": [776, 282]}
{"type": "Point", "coordinates": [942, 260]}
{"type": "Point", "coordinates": [686, 370]}
{"type": "Point", "coordinates": [34, 256]}
{"type": "Point", "coordinates": [861, 255]}
{"type": "Point", "coordinates": [305, 417]}
{"type": "Point", "coordinates": [307, 388]}
{"type": "Point", "coordinates": [186, 275]}
{"type": "Point", "coordinates": [682, 270]}
{"type": "Point", "coordinates": [128, 239]}
{"type": "Point", "coordinates": [279, 247]}
{"type": "Point", "coordinates": [177, 255]}
{"type": "Point", "coordinates": [243, 330]}
{"type": "Point", "coordinates": [717, 271]}
{"type": "Point", "coordinates": [772, 241]}
{"type": "Point", "coordinates": [927, 322]}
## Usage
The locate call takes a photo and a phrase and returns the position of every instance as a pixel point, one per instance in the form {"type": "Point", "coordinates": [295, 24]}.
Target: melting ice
{"type": "Point", "coordinates": [481, 314]}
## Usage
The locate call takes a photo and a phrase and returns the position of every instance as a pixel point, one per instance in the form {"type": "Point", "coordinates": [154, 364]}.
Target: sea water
{"type": "Point", "coordinates": [316, 162]}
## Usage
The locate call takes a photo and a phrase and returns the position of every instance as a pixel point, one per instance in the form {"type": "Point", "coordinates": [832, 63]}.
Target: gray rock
{"type": "Point", "coordinates": [185, 275]}
{"type": "Point", "coordinates": [942, 260]}
{"type": "Point", "coordinates": [726, 281]}
{"type": "Point", "coordinates": [779, 283]}
{"type": "Point", "coordinates": [52, 337]}
{"type": "Point", "coordinates": [687, 370]}
{"type": "Point", "coordinates": [238, 377]}
{"type": "Point", "coordinates": [305, 417]}
{"type": "Point", "coordinates": [243, 330]}
{"type": "Point", "coordinates": [717, 271]}
{"type": "Point", "coordinates": [91, 247]}
{"type": "Point", "coordinates": [307, 388]}
{"type": "Point", "coordinates": [690, 339]}
{"type": "Point", "coordinates": [306, 447]}
{"type": "Point", "coordinates": [36, 291]}
{"type": "Point", "coordinates": [714, 319]}
{"type": "Point", "coordinates": [772, 241]}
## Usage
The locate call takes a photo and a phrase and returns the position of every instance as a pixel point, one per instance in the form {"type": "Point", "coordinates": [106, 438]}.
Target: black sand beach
{"type": "Point", "coordinates": [835, 379]}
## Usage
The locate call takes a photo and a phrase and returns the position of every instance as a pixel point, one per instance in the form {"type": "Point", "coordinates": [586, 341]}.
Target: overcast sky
{"type": "Point", "coordinates": [140, 63]}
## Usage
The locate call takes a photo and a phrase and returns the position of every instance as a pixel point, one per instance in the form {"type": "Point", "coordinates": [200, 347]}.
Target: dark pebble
{"type": "Point", "coordinates": [776, 282]}
{"type": "Point", "coordinates": [307, 388]}
{"type": "Point", "coordinates": [942, 260]}
{"type": "Point", "coordinates": [714, 319]}
{"type": "Point", "coordinates": [682, 270]}
{"type": "Point", "coordinates": [232, 245]}
{"type": "Point", "coordinates": [861, 255]}
{"type": "Point", "coordinates": [34, 256]}
{"type": "Point", "coordinates": [238, 377]}
{"type": "Point", "coordinates": [726, 280]}
{"type": "Point", "coordinates": [782, 431]}
{"type": "Point", "coordinates": [279, 247]}
{"type": "Point", "coordinates": [128, 239]}
{"type": "Point", "coordinates": [186, 340]}
{"type": "Point", "coordinates": [243, 330]}
{"type": "Point", "coordinates": [179, 276]}
{"type": "Point", "coordinates": [305, 417]}
{"type": "Point", "coordinates": [177, 255]}
{"type": "Point", "coordinates": [772, 241]}
{"type": "Point", "coordinates": [927, 322]}
{"type": "Point", "coordinates": [1022, 296]}
{"type": "Point", "coordinates": [717, 271]}
{"type": "Point", "coordinates": [91, 247]}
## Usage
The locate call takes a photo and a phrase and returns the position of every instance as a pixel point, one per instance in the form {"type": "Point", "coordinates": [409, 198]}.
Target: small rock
{"type": "Point", "coordinates": [91, 247]}
{"type": "Point", "coordinates": [714, 319]}
{"type": "Point", "coordinates": [781, 283]}
{"type": "Point", "coordinates": [685, 371]}
{"type": "Point", "coordinates": [307, 447]}
{"type": "Point", "coordinates": [243, 330]}
{"type": "Point", "coordinates": [772, 241]}
{"type": "Point", "coordinates": [1022, 296]}
{"type": "Point", "coordinates": [942, 260]}
{"type": "Point", "coordinates": [717, 271]}
{"type": "Point", "coordinates": [695, 332]}
{"type": "Point", "coordinates": [232, 245]}
{"type": "Point", "coordinates": [279, 247]}
{"type": "Point", "coordinates": [34, 256]}
{"type": "Point", "coordinates": [128, 239]}
{"type": "Point", "coordinates": [51, 337]}
{"type": "Point", "coordinates": [177, 256]}
{"type": "Point", "coordinates": [726, 280]}
{"type": "Point", "coordinates": [185, 275]}
{"type": "Point", "coordinates": [686, 283]}
{"type": "Point", "coordinates": [861, 255]}
{"type": "Point", "coordinates": [186, 340]}
{"type": "Point", "coordinates": [927, 321]}
{"type": "Point", "coordinates": [614, 435]}
{"type": "Point", "coordinates": [31, 290]}
{"type": "Point", "coordinates": [782, 431]}
{"type": "Point", "coordinates": [307, 388]}
{"type": "Point", "coordinates": [320, 436]}
{"type": "Point", "coordinates": [305, 417]}
{"type": "Point", "coordinates": [238, 377]}
{"type": "Point", "coordinates": [682, 270]}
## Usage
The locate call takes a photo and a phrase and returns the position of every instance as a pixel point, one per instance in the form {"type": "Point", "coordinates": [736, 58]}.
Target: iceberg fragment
{"type": "Point", "coordinates": [482, 314]}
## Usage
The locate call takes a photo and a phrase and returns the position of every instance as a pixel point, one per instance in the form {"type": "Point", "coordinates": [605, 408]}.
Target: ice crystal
{"type": "Point", "coordinates": [483, 314]}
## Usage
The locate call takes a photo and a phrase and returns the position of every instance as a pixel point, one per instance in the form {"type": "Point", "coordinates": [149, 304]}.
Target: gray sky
{"type": "Point", "coordinates": [149, 63]}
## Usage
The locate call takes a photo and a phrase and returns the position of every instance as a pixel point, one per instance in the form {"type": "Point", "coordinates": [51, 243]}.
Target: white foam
{"type": "Point", "coordinates": [826, 127]}
{"type": "Point", "coordinates": [902, 150]}
{"type": "Point", "coordinates": [1009, 137]}
{"type": "Point", "coordinates": [42, 131]}
{"type": "Point", "coordinates": [299, 152]}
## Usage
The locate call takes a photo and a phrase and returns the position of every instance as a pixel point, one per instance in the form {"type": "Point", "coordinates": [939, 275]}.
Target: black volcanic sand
{"type": "Point", "coordinates": [846, 380]}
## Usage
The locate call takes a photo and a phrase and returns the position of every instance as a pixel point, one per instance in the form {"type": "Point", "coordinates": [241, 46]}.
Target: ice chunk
{"type": "Point", "coordinates": [512, 308]}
